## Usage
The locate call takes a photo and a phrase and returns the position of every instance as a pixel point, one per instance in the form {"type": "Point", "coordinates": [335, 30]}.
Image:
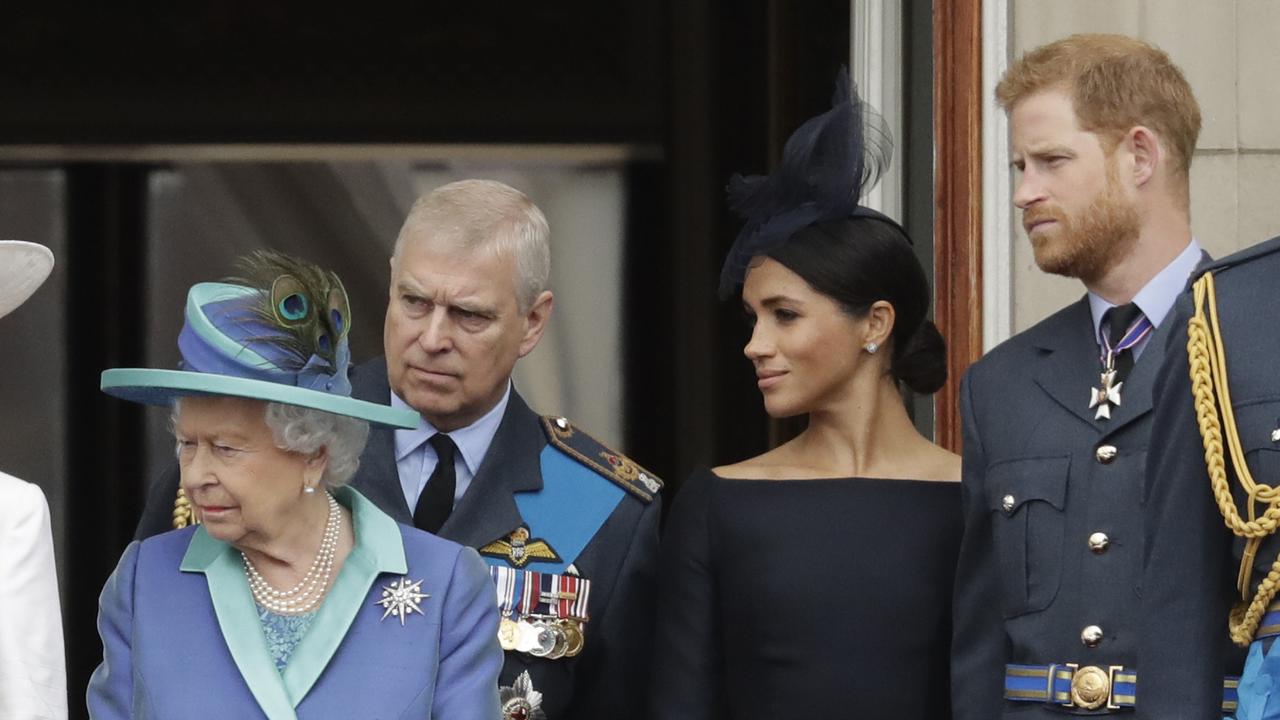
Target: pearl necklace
{"type": "Point", "coordinates": [308, 593]}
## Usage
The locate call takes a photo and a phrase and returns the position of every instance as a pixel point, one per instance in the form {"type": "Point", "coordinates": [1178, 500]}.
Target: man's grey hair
{"type": "Point", "coordinates": [306, 430]}
{"type": "Point", "coordinates": [472, 215]}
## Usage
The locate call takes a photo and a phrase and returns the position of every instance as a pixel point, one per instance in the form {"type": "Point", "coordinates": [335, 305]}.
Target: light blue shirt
{"type": "Point", "coordinates": [1156, 298]}
{"type": "Point", "coordinates": [416, 459]}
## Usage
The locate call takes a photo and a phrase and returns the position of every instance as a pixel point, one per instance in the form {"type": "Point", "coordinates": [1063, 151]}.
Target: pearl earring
{"type": "Point", "coordinates": [309, 490]}
{"type": "Point", "coordinates": [872, 347]}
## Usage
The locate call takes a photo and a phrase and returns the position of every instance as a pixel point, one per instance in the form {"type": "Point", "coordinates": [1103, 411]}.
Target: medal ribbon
{"type": "Point", "coordinates": [553, 589]}
{"type": "Point", "coordinates": [507, 592]}
{"type": "Point", "coordinates": [507, 582]}
{"type": "Point", "coordinates": [528, 596]}
{"type": "Point", "coordinates": [568, 585]}
{"type": "Point", "coordinates": [579, 609]}
{"type": "Point", "coordinates": [517, 588]}
{"type": "Point", "coordinates": [1139, 330]}
{"type": "Point", "coordinates": [522, 593]}
{"type": "Point", "coordinates": [546, 586]}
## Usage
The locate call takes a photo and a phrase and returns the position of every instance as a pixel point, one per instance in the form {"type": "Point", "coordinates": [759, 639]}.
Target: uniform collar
{"type": "Point", "coordinates": [379, 548]}
{"type": "Point", "coordinates": [1156, 298]}
{"type": "Point", "coordinates": [473, 441]}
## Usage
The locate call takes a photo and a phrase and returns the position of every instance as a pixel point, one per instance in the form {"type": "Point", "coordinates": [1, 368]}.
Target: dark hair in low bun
{"type": "Point", "coordinates": [921, 364]}
{"type": "Point", "coordinates": [858, 261]}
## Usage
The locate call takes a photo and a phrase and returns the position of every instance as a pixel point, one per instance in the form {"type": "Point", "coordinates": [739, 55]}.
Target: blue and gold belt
{"type": "Point", "coordinates": [1091, 687]}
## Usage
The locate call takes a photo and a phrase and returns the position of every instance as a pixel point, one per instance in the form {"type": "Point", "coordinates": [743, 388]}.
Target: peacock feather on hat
{"type": "Point", "coordinates": [305, 306]}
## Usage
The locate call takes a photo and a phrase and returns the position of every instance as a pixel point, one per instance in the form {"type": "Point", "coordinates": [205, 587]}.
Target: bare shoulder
{"type": "Point", "coordinates": [940, 465]}
{"type": "Point", "coordinates": [749, 469]}
{"type": "Point", "coordinates": [772, 465]}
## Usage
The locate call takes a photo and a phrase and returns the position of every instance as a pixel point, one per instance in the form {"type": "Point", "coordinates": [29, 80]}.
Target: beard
{"type": "Point", "coordinates": [1087, 245]}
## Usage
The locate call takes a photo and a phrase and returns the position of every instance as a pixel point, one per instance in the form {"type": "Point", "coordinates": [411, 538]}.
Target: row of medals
{"type": "Point", "coordinates": [542, 636]}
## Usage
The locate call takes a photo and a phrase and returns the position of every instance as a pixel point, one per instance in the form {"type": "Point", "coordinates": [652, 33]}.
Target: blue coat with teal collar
{"type": "Point", "coordinates": [610, 677]}
{"type": "Point", "coordinates": [182, 638]}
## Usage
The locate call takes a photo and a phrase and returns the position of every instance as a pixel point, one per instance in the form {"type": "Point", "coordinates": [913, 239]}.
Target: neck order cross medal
{"type": "Point", "coordinates": [1107, 394]}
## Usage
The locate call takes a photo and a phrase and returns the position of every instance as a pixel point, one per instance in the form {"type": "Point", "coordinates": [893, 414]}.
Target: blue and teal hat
{"type": "Point", "coordinates": [278, 337]}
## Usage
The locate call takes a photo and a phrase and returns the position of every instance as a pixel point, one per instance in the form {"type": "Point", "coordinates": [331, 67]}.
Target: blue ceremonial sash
{"type": "Point", "coordinates": [573, 504]}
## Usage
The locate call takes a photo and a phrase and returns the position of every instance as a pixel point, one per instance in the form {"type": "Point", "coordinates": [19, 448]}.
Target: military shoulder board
{"type": "Point", "coordinates": [575, 443]}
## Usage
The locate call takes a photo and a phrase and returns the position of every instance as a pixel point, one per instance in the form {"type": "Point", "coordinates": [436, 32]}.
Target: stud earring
{"type": "Point", "coordinates": [309, 490]}
{"type": "Point", "coordinates": [871, 347]}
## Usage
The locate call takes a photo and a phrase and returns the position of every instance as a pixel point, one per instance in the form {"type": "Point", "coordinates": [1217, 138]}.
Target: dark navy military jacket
{"type": "Point", "coordinates": [1043, 483]}
{"type": "Point", "coordinates": [1192, 559]}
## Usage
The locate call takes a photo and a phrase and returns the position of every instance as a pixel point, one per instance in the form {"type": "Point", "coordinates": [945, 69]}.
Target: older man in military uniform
{"type": "Point", "coordinates": [567, 525]}
{"type": "Point", "coordinates": [1056, 420]}
{"type": "Point", "coordinates": [1213, 558]}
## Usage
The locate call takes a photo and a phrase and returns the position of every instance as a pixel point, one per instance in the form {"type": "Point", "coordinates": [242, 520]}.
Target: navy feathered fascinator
{"type": "Point", "coordinates": [828, 163]}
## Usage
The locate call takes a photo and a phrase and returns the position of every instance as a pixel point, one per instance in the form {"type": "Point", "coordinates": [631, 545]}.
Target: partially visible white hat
{"type": "Point", "coordinates": [23, 266]}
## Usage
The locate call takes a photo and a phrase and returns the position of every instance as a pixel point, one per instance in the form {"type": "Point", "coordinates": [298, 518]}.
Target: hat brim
{"type": "Point", "coordinates": [160, 387]}
{"type": "Point", "coordinates": [24, 266]}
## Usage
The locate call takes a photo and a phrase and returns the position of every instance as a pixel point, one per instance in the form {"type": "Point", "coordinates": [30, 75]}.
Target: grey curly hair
{"type": "Point", "coordinates": [305, 431]}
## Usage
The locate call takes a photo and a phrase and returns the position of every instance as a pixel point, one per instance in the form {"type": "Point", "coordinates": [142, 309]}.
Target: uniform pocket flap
{"type": "Point", "coordinates": [1013, 483]}
{"type": "Point", "coordinates": [1257, 422]}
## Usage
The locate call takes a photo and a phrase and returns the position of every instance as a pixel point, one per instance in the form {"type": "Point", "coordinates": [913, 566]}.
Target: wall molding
{"type": "Point", "coordinates": [997, 201]}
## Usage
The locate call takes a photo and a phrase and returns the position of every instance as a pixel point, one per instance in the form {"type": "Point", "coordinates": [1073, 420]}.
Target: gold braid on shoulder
{"type": "Point", "coordinates": [1208, 364]}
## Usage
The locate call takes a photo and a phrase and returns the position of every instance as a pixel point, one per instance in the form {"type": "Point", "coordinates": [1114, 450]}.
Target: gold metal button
{"type": "Point", "coordinates": [1091, 636]}
{"type": "Point", "coordinates": [1090, 687]}
{"type": "Point", "coordinates": [1098, 542]}
{"type": "Point", "coordinates": [1007, 503]}
{"type": "Point", "coordinates": [1106, 453]}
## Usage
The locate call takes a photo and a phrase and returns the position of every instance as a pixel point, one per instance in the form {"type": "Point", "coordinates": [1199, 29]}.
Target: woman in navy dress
{"type": "Point", "coordinates": [814, 581]}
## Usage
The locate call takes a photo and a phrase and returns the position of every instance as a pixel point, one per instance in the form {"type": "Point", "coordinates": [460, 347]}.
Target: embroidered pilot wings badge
{"type": "Point", "coordinates": [520, 549]}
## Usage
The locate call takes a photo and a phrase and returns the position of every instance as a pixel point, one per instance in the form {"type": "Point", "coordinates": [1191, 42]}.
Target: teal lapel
{"type": "Point", "coordinates": [238, 620]}
{"type": "Point", "coordinates": [378, 548]}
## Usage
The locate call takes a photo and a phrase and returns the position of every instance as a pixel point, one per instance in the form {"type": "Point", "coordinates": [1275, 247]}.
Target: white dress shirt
{"type": "Point", "coordinates": [416, 459]}
{"type": "Point", "coordinates": [1156, 298]}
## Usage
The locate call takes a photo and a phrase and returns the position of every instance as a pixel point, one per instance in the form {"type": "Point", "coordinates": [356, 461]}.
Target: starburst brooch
{"type": "Point", "coordinates": [402, 598]}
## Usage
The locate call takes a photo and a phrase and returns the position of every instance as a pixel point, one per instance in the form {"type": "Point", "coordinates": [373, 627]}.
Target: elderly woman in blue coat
{"type": "Point", "coordinates": [294, 597]}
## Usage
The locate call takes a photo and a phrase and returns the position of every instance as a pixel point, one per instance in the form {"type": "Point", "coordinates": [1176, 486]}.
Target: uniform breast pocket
{"type": "Point", "coordinates": [1026, 498]}
{"type": "Point", "coordinates": [1259, 426]}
